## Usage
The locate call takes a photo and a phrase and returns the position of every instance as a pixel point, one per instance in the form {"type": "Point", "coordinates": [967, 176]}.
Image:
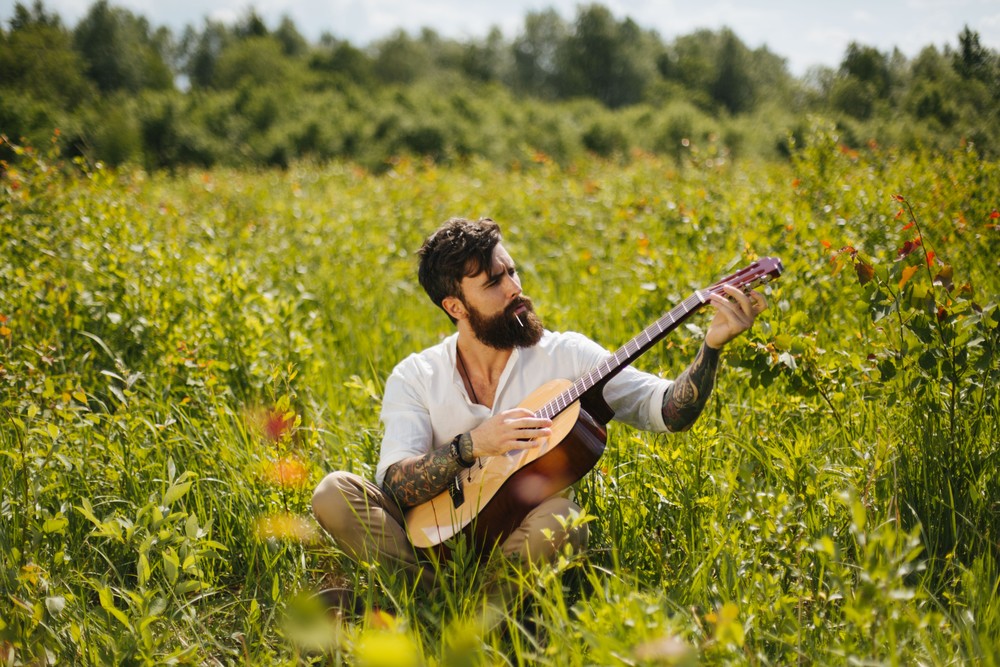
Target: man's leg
{"type": "Point", "coordinates": [542, 535]}
{"type": "Point", "coordinates": [367, 524]}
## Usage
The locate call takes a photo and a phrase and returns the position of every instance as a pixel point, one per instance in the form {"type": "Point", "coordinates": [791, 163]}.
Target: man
{"type": "Point", "coordinates": [457, 401]}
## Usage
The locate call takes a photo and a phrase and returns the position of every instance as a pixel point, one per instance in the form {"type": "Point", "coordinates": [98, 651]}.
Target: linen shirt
{"type": "Point", "coordinates": [425, 402]}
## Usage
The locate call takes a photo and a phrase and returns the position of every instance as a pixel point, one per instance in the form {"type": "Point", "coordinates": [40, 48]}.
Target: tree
{"type": "Point", "coordinates": [119, 51]}
{"type": "Point", "coordinates": [340, 61]}
{"type": "Point", "coordinates": [863, 80]}
{"type": "Point", "coordinates": [732, 86]}
{"type": "Point", "coordinates": [972, 60]}
{"type": "Point", "coordinates": [604, 59]}
{"type": "Point", "coordinates": [37, 57]}
{"type": "Point", "coordinates": [534, 50]}
{"type": "Point", "coordinates": [258, 61]}
{"type": "Point", "coordinates": [485, 60]}
{"type": "Point", "coordinates": [200, 51]}
{"type": "Point", "coordinates": [292, 41]}
{"type": "Point", "coordinates": [401, 59]}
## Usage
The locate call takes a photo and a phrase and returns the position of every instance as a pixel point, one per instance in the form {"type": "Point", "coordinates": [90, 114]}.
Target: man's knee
{"type": "Point", "coordinates": [331, 501]}
{"type": "Point", "coordinates": [551, 527]}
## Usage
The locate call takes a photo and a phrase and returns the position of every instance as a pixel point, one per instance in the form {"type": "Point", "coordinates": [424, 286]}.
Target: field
{"type": "Point", "coordinates": [184, 356]}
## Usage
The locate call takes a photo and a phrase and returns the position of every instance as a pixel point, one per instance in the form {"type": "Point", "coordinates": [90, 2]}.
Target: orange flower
{"type": "Point", "coordinates": [288, 472]}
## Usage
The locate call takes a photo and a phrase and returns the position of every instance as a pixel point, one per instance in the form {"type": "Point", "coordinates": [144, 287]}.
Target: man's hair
{"type": "Point", "coordinates": [459, 248]}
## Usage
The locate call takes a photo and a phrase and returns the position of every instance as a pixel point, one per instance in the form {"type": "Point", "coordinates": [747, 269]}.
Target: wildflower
{"type": "Point", "coordinates": [288, 472]}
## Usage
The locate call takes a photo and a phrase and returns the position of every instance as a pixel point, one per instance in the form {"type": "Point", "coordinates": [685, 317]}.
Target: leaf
{"type": "Point", "coordinates": [107, 603]}
{"type": "Point", "coordinates": [907, 274]}
{"type": "Point", "coordinates": [55, 525]}
{"type": "Point", "coordinates": [865, 271]}
{"type": "Point", "coordinates": [189, 586]}
{"type": "Point", "coordinates": [171, 565]}
{"type": "Point", "coordinates": [191, 527]}
{"type": "Point", "coordinates": [55, 604]}
{"type": "Point", "coordinates": [143, 569]}
{"type": "Point", "coordinates": [944, 277]}
{"type": "Point", "coordinates": [176, 492]}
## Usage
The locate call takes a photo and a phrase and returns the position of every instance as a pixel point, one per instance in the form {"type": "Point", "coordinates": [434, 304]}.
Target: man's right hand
{"type": "Point", "coordinates": [517, 428]}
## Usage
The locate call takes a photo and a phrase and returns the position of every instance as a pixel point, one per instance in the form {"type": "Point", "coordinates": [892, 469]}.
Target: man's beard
{"type": "Point", "coordinates": [503, 331]}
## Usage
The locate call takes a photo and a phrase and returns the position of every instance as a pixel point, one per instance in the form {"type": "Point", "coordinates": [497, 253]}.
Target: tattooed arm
{"type": "Point", "coordinates": [420, 478]}
{"type": "Point", "coordinates": [687, 396]}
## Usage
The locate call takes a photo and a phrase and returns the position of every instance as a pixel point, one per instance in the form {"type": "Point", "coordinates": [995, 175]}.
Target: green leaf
{"type": "Point", "coordinates": [191, 527]}
{"type": "Point", "coordinates": [171, 565]}
{"type": "Point", "coordinates": [189, 586]}
{"type": "Point", "coordinates": [107, 603]}
{"type": "Point", "coordinates": [55, 525]}
{"type": "Point", "coordinates": [176, 492]}
{"type": "Point", "coordinates": [143, 570]}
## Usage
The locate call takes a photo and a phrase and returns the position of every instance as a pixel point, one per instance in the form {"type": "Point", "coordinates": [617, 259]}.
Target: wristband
{"type": "Point", "coordinates": [456, 450]}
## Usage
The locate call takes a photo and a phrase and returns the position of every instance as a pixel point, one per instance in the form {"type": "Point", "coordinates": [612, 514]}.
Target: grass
{"type": "Point", "coordinates": [183, 357]}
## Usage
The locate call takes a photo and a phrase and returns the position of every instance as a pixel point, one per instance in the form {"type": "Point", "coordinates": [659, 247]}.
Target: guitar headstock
{"type": "Point", "coordinates": [764, 270]}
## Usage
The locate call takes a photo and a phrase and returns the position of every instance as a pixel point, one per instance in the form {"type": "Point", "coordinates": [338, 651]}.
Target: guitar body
{"type": "Point", "coordinates": [490, 499]}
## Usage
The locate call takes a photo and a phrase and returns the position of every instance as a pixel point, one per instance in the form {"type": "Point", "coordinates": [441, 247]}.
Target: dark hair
{"type": "Point", "coordinates": [459, 248]}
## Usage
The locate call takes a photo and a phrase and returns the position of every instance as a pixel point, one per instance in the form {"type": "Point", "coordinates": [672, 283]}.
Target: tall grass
{"type": "Point", "coordinates": [183, 357]}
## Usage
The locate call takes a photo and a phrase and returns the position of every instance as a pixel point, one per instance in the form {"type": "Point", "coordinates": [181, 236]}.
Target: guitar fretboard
{"type": "Point", "coordinates": [758, 272]}
{"type": "Point", "coordinates": [625, 355]}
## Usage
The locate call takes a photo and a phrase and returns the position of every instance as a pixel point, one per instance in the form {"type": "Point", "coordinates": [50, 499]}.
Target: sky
{"type": "Point", "coordinates": [804, 32]}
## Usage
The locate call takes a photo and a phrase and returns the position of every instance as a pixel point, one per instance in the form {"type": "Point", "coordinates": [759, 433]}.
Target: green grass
{"type": "Point", "coordinates": [183, 357]}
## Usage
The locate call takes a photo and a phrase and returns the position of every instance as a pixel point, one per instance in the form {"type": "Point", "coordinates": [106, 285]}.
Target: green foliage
{"type": "Point", "coordinates": [183, 357]}
{"type": "Point", "coordinates": [378, 102]}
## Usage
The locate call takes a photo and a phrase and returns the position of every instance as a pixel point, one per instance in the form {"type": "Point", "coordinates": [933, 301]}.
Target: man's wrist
{"type": "Point", "coordinates": [461, 449]}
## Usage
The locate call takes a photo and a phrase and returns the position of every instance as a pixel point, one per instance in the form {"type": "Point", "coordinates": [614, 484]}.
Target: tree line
{"type": "Point", "coordinates": [118, 89]}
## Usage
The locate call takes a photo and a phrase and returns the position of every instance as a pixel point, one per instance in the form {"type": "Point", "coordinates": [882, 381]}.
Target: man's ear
{"type": "Point", "coordinates": [454, 307]}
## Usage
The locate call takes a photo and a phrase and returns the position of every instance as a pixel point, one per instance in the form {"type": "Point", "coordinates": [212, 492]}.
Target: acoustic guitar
{"type": "Point", "coordinates": [490, 499]}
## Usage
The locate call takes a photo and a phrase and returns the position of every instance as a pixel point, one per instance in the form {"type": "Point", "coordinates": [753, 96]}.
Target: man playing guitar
{"type": "Point", "coordinates": [458, 403]}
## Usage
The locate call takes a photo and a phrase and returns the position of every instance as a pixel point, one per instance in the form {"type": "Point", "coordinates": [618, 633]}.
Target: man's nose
{"type": "Point", "coordinates": [513, 287]}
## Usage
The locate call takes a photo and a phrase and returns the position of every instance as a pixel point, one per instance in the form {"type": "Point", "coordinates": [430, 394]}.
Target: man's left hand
{"type": "Point", "coordinates": [734, 314]}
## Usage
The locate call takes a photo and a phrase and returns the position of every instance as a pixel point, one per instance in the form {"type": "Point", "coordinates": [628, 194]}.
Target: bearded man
{"type": "Point", "coordinates": [457, 401]}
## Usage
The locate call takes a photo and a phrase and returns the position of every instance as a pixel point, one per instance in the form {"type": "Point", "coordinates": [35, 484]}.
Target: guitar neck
{"type": "Point", "coordinates": [626, 354]}
{"type": "Point", "coordinates": [761, 271]}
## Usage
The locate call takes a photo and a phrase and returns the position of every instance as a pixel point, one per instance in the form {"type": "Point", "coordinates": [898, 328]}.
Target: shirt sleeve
{"type": "Point", "coordinates": [406, 421]}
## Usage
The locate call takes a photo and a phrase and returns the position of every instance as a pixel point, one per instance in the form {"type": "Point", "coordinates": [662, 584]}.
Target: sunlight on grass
{"type": "Point", "coordinates": [183, 357]}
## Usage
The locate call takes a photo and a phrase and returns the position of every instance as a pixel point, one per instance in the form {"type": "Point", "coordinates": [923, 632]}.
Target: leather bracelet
{"type": "Point", "coordinates": [456, 450]}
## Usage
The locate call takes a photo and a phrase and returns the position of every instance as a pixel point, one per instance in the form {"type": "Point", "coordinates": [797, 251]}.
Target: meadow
{"type": "Point", "coordinates": [183, 356]}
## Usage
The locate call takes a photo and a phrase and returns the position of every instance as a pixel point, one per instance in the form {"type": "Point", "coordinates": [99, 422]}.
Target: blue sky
{"type": "Point", "coordinates": [805, 33]}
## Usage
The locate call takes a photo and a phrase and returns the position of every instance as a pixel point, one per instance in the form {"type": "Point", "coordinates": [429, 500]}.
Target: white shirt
{"type": "Point", "coordinates": [425, 402]}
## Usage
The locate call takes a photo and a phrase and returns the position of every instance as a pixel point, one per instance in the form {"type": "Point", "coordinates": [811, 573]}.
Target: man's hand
{"type": "Point", "coordinates": [733, 315]}
{"type": "Point", "coordinates": [506, 431]}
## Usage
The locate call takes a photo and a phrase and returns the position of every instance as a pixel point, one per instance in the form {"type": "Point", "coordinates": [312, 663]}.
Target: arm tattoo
{"type": "Point", "coordinates": [687, 396]}
{"type": "Point", "coordinates": [420, 478]}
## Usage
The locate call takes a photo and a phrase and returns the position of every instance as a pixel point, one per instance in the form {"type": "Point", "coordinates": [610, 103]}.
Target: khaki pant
{"type": "Point", "coordinates": [368, 525]}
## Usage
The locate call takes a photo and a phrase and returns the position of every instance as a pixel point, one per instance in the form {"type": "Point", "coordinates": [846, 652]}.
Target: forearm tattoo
{"type": "Point", "coordinates": [687, 396]}
{"type": "Point", "coordinates": [418, 479]}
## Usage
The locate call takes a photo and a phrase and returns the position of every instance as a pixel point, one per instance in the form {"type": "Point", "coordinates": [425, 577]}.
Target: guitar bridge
{"type": "Point", "coordinates": [456, 492]}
